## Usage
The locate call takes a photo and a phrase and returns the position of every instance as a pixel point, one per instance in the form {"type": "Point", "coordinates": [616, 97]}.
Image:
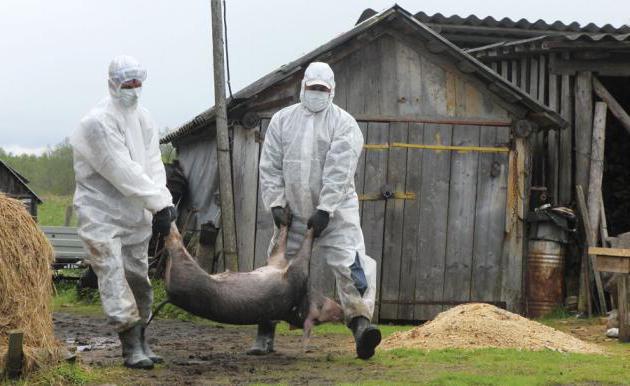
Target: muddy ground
{"type": "Point", "coordinates": [211, 354]}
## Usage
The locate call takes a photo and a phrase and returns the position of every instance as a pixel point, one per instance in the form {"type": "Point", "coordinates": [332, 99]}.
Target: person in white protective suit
{"type": "Point", "coordinates": [308, 161]}
{"type": "Point", "coordinates": [120, 187]}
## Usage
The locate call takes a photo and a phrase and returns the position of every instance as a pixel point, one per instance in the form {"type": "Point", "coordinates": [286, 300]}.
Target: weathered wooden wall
{"type": "Point", "coordinates": [449, 244]}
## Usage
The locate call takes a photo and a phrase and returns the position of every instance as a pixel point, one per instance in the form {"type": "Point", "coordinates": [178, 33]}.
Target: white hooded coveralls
{"type": "Point", "coordinates": [308, 162]}
{"type": "Point", "coordinates": [120, 183]}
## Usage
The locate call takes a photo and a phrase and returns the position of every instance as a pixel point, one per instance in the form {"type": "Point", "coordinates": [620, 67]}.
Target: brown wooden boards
{"type": "Point", "coordinates": [392, 243]}
{"type": "Point", "coordinates": [583, 127]}
{"type": "Point", "coordinates": [373, 220]}
{"type": "Point", "coordinates": [411, 225]}
{"type": "Point", "coordinates": [245, 173]}
{"type": "Point", "coordinates": [489, 218]}
{"type": "Point", "coordinates": [434, 193]}
{"type": "Point", "coordinates": [565, 180]}
{"type": "Point", "coordinates": [264, 221]}
{"type": "Point", "coordinates": [461, 216]}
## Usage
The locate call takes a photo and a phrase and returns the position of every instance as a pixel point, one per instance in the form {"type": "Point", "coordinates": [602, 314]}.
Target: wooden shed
{"type": "Point", "coordinates": [570, 73]}
{"type": "Point", "coordinates": [444, 172]}
{"type": "Point", "coordinates": [15, 185]}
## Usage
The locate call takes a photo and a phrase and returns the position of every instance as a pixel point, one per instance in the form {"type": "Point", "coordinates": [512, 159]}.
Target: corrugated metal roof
{"type": "Point", "coordinates": [495, 82]}
{"type": "Point", "coordinates": [539, 25]}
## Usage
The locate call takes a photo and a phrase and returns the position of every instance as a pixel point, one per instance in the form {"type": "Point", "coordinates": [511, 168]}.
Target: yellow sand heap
{"type": "Point", "coordinates": [25, 286]}
{"type": "Point", "coordinates": [479, 325]}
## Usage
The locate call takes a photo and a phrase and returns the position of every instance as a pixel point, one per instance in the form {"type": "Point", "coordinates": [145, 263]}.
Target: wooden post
{"type": "Point", "coordinates": [623, 291]}
{"type": "Point", "coordinates": [597, 169]}
{"type": "Point", "coordinates": [588, 259]}
{"type": "Point", "coordinates": [603, 223]}
{"type": "Point", "coordinates": [583, 127]}
{"type": "Point", "coordinates": [15, 354]}
{"type": "Point", "coordinates": [68, 218]}
{"type": "Point", "coordinates": [613, 105]}
{"type": "Point", "coordinates": [223, 144]}
{"type": "Point", "coordinates": [565, 175]}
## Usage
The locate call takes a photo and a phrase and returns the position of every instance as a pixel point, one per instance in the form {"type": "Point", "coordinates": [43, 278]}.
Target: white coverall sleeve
{"type": "Point", "coordinates": [155, 166]}
{"type": "Point", "coordinates": [340, 165]}
{"type": "Point", "coordinates": [105, 150]}
{"type": "Point", "coordinates": [271, 177]}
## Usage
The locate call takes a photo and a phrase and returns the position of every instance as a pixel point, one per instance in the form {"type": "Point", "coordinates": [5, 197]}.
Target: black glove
{"type": "Point", "coordinates": [280, 216]}
{"type": "Point", "coordinates": [162, 220]}
{"type": "Point", "coordinates": [318, 221]}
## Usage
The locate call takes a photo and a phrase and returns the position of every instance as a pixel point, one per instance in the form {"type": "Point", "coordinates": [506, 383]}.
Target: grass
{"type": "Point", "coordinates": [53, 211]}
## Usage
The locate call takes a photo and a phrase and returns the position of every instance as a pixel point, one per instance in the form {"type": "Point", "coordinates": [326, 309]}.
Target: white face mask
{"type": "Point", "coordinates": [129, 96]}
{"type": "Point", "coordinates": [316, 101]}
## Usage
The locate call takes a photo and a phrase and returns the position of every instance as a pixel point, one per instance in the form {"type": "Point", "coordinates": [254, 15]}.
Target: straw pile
{"type": "Point", "coordinates": [25, 286]}
{"type": "Point", "coordinates": [477, 325]}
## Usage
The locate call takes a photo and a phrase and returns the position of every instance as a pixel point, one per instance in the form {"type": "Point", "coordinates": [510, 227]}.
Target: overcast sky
{"type": "Point", "coordinates": [55, 53]}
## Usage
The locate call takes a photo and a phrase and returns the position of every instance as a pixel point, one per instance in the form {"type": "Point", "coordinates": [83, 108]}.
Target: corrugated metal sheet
{"type": "Point", "coordinates": [540, 25]}
{"type": "Point", "coordinates": [495, 82]}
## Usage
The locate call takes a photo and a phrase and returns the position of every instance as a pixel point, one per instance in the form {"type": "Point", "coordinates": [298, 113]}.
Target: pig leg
{"type": "Point", "coordinates": [306, 336]}
{"type": "Point", "coordinates": [264, 339]}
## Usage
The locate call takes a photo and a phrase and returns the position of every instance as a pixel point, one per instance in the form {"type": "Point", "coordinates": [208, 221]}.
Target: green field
{"type": "Point", "coordinates": [53, 211]}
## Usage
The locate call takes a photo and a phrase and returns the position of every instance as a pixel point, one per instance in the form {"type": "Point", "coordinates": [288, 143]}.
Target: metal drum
{"type": "Point", "coordinates": [545, 275]}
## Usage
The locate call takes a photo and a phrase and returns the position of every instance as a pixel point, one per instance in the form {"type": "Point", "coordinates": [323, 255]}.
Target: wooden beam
{"type": "Point", "coordinates": [583, 127]}
{"type": "Point", "coordinates": [603, 224]}
{"type": "Point", "coordinates": [623, 299]}
{"type": "Point", "coordinates": [601, 251]}
{"type": "Point", "coordinates": [15, 354]}
{"type": "Point", "coordinates": [613, 105]}
{"type": "Point", "coordinates": [601, 67]}
{"type": "Point", "coordinates": [565, 177]}
{"type": "Point", "coordinates": [597, 169]}
{"type": "Point", "coordinates": [588, 258]}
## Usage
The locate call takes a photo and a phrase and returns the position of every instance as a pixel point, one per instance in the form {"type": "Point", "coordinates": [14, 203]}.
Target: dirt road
{"type": "Point", "coordinates": [210, 354]}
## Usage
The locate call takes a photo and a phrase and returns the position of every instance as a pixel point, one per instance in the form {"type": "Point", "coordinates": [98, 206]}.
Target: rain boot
{"type": "Point", "coordinates": [264, 339]}
{"type": "Point", "coordinates": [147, 349]}
{"type": "Point", "coordinates": [133, 355]}
{"type": "Point", "coordinates": [366, 336]}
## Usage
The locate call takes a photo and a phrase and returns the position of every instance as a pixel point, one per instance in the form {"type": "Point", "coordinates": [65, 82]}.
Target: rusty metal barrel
{"type": "Point", "coordinates": [545, 274]}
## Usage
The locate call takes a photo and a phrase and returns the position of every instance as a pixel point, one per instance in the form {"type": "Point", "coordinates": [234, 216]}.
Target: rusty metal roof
{"type": "Point", "coordinates": [495, 83]}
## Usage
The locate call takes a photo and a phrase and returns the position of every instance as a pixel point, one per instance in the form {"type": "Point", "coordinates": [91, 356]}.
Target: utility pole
{"type": "Point", "coordinates": [223, 141]}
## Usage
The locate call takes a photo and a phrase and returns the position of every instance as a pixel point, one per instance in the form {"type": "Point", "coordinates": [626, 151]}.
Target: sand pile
{"type": "Point", "coordinates": [477, 325]}
{"type": "Point", "coordinates": [25, 286]}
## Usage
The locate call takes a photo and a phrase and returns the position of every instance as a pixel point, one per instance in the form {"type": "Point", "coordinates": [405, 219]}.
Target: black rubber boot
{"type": "Point", "coordinates": [133, 354]}
{"type": "Point", "coordinates": [147, 349]}
{"type": "Point", "coordinates": [264, 339]}
{"type": "Point", "coordinates": [366, 336]}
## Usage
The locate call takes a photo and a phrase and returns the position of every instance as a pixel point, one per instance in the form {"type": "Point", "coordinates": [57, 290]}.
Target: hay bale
{"type": "Point", "coordinates": [26, 286]}
{"type": "Point", "coordinates": [478, 325]}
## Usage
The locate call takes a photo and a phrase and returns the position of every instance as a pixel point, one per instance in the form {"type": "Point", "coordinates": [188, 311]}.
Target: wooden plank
{"type": "Point", "coordinates": [410, 260]}
{"type": "Point", "coordinates": [533, 78]}
{"type": "Point", "coordinates": [512, 257]}
{"type": "Point", "coordinates": [612, 264]}
{"type": "Point", "coordinates": [585, 221]}
{"type": "Point", "coordinates": [601, 251]}
{"type": "Point", "coordinates": [583, 127]}
{"type": "Point", "coordinates": [505, 69]}
{"type": "Point", "coordinates": [514, 73]}
{"type": "Point", "coordinates": [15, 355]}
{"type": "Point", "coordinates": [495, 66]}
{"type": "Point", "coordinates": [264, 221]}
{"type": "Point", "coordinates": [615, 108]}
{"type": "Point", "coordinates": [603, 227]}
{"type": "Point", "coordinates": [524, 72]}
{"type": "Point", "coordinates": [394, 212]}
{"type": "Point", "coordinates": [489, 223]}
{"type": "Point", "coordinates": [434, 192]}
{"type": "Point", "coordinates": [373, 220]}
{"type": "Point", "coordinates": [597, 169]}
{"type": "Point", "coordinates": [542, 78]}
{"type": "Point", "coordinates": [359, 176]}
{"type": "Point", "coordinates": [461, 216]}
{"type": "Point", "coordinates": [565, 167]}
{"type": "Point", "coordinates": [604, 67]}
{"type": "Point", "coordinates": [623, 296]}
{"type": "Point", "coordinates": [553, 141]}
{"type": "Point", "coordinates": [245, 173]}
